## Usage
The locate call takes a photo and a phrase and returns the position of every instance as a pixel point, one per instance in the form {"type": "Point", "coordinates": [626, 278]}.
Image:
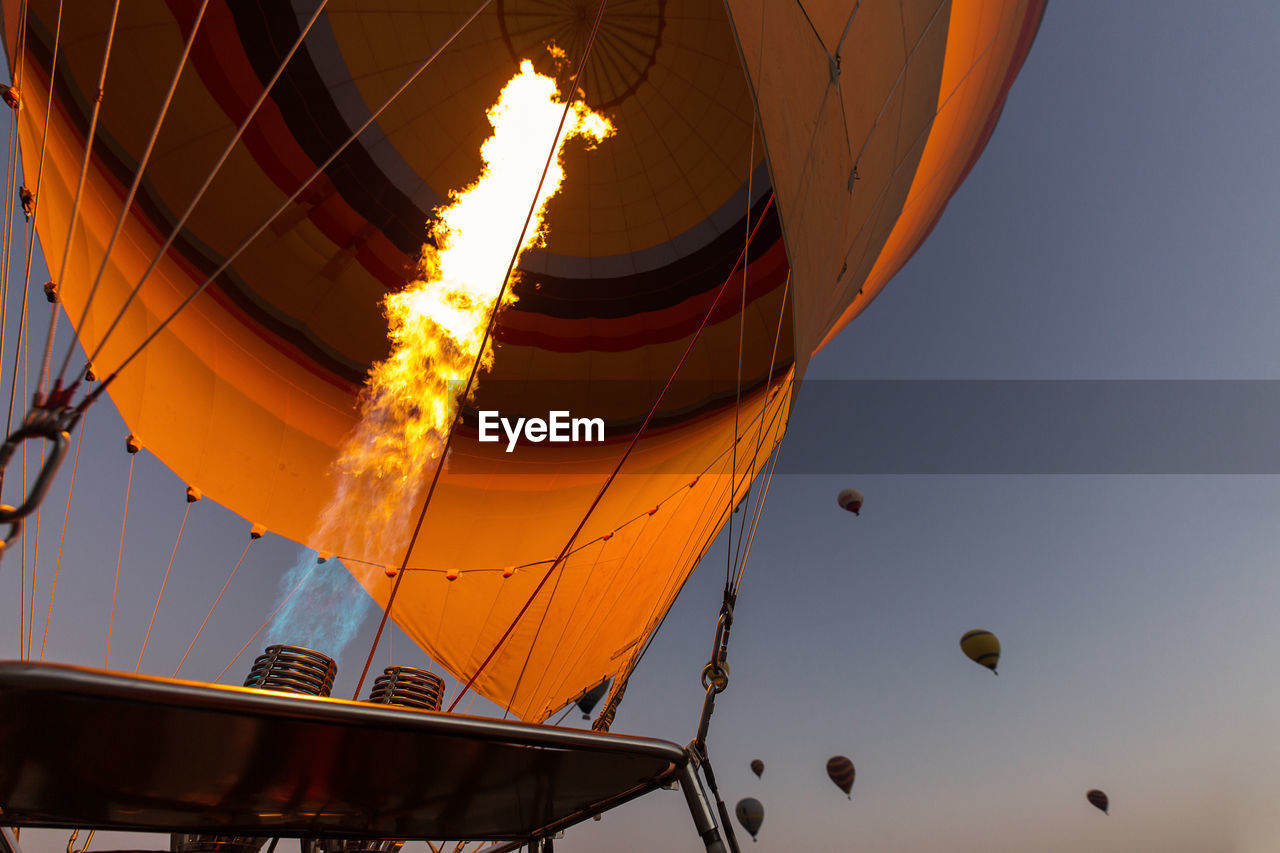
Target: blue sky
{"type": "Point", "coordinates": [1121, 225]}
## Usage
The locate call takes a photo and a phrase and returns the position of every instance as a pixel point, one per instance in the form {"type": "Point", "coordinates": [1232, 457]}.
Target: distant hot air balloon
{"type": "Point", "coordinates": [840, 769]}
{"type": "Point", "coordinates": [1098, 800]}
{"type": "Point", "coordinates": [850, 499]}
{"type": "Point", "coordinates": [757, 767]}
{"type": "Point", "coordinates": [750, 815]}
{"type": "Point", "coordinates": [981, 647]}
{"type": "Point", "coordinates": [591, 697]}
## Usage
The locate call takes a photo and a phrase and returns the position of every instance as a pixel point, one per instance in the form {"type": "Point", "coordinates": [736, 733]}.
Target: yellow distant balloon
{"type": "Point", "coordinates": [981, 647]}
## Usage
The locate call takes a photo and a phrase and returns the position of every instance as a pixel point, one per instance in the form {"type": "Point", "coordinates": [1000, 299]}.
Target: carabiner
{"type": "Point", "coordinates": [50, 425]}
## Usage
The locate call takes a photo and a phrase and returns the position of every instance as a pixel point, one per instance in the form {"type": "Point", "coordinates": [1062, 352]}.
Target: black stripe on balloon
{"type": "Point", "coordinates": [266, 32]}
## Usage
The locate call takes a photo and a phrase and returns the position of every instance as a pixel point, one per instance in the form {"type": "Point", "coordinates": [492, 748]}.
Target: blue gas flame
{"type": "Point", "coordinates": [325, 612]}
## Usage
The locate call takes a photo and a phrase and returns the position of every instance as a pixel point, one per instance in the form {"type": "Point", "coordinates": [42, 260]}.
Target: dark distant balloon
{"type": "Point", "coordinates": [840, 769]}
{"type": "Point", "coordinates": [850, 499]}
{"type": "Point", "coordinates": [591, 697]}
{"type": "Point", "coordinates": [750, 815]}
{"type": "Point", "coordinates": [1098, 800]}
{"type": "Point", "coordinates": [981, 647]}
{"type": "Point", "coordinates": [757, 767]}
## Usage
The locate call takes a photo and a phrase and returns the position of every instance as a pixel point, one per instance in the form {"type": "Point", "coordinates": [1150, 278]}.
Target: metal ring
{"type": "Point", "coordinates": [715, 675]}
{"type": "Point", "coordinates": [40, 423]}
{"type": "Point", "coordinates": [15, 530]}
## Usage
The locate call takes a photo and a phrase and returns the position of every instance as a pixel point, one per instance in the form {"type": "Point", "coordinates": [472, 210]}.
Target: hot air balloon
{"type": "Point", "coordinates": [840, 769]}
{"type": "Point", "coordinates": [1098, 800]}
{"type": "Point", "coordinates": [851, 500]}
{"type": "Point", "coordinates": [262, 182]}
{"type": "Point", "coordinates": [750, 814]}
{"type": "Point", "coordinates": [757, 767]}
{"type": "Point", "coordinates": [981, 647]}
{"type": "Point", "coordinates": [252, 390]}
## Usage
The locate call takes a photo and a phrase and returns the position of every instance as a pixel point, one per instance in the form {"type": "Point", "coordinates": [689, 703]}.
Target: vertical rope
{"type": "Point", "coordinates": [742, 334]}
{"type": "Point", "coordinates": [119, 559]}
{"type": "Point", "coordinates": [773, 360]}
{"type": "Point", "coordinates": [6, 244]}
{"type": "Point", "coordinates": [163, 581]}
{"type": "Point", "coordinates": [75, 463]}
{"type": "Point", "coordinates": [22, 351]}
{"type": "Point", "coordinates": [35, 207]}
{"type": "Point", "coordinates": [35, 564]}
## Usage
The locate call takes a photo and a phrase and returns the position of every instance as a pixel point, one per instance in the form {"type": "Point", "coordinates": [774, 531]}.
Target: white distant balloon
{"type": "Point", "coordinates": [850, 499]}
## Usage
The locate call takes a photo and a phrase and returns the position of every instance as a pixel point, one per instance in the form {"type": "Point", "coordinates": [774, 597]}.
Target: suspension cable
{"type": "Point", "coordinates": [163, 581]}
{"type": "Point", "coordinates": [776, 422]}
{"type": "Point", "coordinates": [199, 195]}
{"type": "Point", "coordinates": [66, 516]}
{"type": "Point", "coordinates": [35, 209]}
{"type": "Point", "coordinates": [133, 189]}
{"type": "Point", "coordinates": [90, 138]}
{"type": "Point", "coordinates": [771, 465]}
{"type": "Point", "coordinates": [6, 244]}
{"type": "Point", "coordinates": [35, 563]}
{"type": "Point", "coordinates": [133, 457]}
{"type": "Point", "coordinates": [751, 535]}
{"type": "Point", "coordinates": [225, 584]}
{"type": "Point", "coordinates": [773, 357]}
{"type": "Point", "coordinates": [248, 241]}
{"type": "Point", "coordinates": [622, 461]}
{"type": "Point", "coordinates": [484, 342]}
{"type": "Point", "coordinates": [23, 347]}
{"type": "Point", "coordinates": [742, 335]}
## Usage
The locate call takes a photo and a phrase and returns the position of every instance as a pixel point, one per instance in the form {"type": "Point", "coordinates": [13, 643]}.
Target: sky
{"type": "Point", "coordinates": [1120, 226]}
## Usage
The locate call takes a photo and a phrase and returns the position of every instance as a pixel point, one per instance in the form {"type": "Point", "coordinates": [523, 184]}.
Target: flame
{"type": "Point", "coordinates": [437, 323]}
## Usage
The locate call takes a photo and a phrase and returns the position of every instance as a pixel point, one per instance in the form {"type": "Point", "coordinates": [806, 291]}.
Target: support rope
{"type": "Point", "coordinates": [742, 335]}
{"type": "Point", "coordinates": [163, 581]}
{"type": "Point", "coordinates": [248, 241]}
{"type": "Point", "coordinates": [90, 138]}
{"type": "Point", "coordinates": [6, 245]}
{"type": "Point", "coordinates": [773, 358]}
{"type": "Point", "coordinates": [119, 559]}
{"type": "Point", "coordinates": [204, 187]}
{"type": "Point", "coordinates": [35, 209]}
{"type": "Point", "coordinates": [208, 615]}
{"type": "Point", "coordinates": [75, 464]}
{"type": "Point", "coordinates": [612, 476]}
{"type": "Point", "coordinates": [133, 189]}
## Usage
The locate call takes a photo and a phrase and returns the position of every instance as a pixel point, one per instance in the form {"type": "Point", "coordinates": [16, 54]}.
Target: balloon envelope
{"type": "Point", "coordinates": [981, 647]}
{"type": "Point", "coordinates": [850, 499]}
{"type": "Point", "coordinates": [840, 769]}
{"type": "Point", "coordinates": [252, 391]}
{"type": "Point", "coordinates": [750, 814]}
{"type": "Point", "coordinates": [757, 767]}
{"type": "Point", "coordinates": [1098, 800]}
